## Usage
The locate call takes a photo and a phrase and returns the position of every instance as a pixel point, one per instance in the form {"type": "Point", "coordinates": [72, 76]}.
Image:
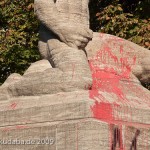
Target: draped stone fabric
{"type": "Point", "coordinates": [64, 36]}
{"type": "Point", "coordinates": [64, 33]}
{"type": "Point", "coordinates": [85, 94]}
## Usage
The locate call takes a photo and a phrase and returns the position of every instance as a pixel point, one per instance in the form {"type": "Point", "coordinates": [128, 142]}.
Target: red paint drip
{"type": "Point", "coordinates": [108, 79]}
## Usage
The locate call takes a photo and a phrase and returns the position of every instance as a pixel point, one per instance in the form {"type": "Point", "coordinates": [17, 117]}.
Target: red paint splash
{"type": "Point", "coordinates": [13, 105]}
{"type": "Point", "coordinates": [103, 111]}
{"type": "Point", "coordinates": [108, 79]}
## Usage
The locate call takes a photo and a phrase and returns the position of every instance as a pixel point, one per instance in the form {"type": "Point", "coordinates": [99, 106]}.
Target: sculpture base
{"type": "Point", "coordinates": [66, 121]}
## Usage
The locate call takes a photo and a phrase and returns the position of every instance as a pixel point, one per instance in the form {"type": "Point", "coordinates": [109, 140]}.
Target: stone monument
{"type": "Point", "coordinates": [86, 92]}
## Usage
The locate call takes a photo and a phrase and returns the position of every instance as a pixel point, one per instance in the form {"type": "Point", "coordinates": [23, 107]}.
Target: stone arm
{"type": "Point", "coordinates": [72, 34]}
{"type": "Point", "coordinates": [48, 14]}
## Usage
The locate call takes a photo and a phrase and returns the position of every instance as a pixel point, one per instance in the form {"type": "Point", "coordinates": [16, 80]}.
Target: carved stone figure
{"type": "Point", "coordinates": [64, 35]}
{"type": "Point", "coordinates": [86, 93]}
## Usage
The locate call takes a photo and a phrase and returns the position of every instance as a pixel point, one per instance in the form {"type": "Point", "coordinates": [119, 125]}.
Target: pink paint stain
{"type": "Point", "coordinates": [21, 127]}
{"type": "Point", "coordinates": [6, 129]}
{"type": "Point", "coordinates": [108, 79]}
{"type": "Point", "coordinates": [13, 105]}
{"type": "Point", "coordinates": [15, 127]}
{"type": "Point", "coordinates": [103, 111]}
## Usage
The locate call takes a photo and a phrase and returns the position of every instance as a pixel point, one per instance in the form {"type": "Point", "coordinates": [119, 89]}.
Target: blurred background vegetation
{"type": "Point", "coordinates": [129, 19]}
{"type": "Point", "coordinates": [18, 36]}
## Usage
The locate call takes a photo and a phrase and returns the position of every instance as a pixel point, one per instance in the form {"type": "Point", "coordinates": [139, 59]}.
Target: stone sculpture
{"type": "Point", "coordinates": [64, 34]}
{"type": "Point", "coordinates": [61, 40]}
{"type": "Point", "coordinates": [86, 93]}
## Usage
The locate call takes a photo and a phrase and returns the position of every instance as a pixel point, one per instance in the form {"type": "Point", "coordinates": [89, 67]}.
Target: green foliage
{"type": "Point", "coordinates": [18, 37]}
{"type": "Point", "coordinates": [129, 19]}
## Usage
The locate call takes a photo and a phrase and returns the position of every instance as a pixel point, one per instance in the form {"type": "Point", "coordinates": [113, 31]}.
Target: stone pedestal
{"type": "Point", "coordinates": [65, 121]}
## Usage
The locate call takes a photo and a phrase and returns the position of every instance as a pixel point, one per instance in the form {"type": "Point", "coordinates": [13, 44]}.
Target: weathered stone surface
{"type": "Point", "coordinates": [137, 138]}
{"type": "Point", "coordinates": [4, 94]}
{"type": "Point", "coordinates": [70, 70]}
{"type": "Point", "coordinates": [38, 66]}
{"type": "Point", "coordinates": [93, 102]}
{"type": "Point", "coordinates": [79, 134]}
{"type": "Point", "coordinates": [121, 48]}
{"type": "Point", "coordinates": [14, 77]}
{"type": "Point", "coordinates": [75, 105]}
{"type": "Point", "coordinates": [53, 80]}
{"type": "Point", "coordinates": [57, 16]}
{"type": "Point", "coordinates": [65, 30]}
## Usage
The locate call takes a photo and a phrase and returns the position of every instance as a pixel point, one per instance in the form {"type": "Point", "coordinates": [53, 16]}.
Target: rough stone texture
{"type": "Point", "coordinates": [141, 68]}
{"type": "Point", "coordinates": [36, 81]}
{"type": "Point", "coordinates": [72, 106]}
{"type": "Point", "coordinates": [79, 134]}
{"type": "Point", "coordinates": [85, 96]}
{"type": "Point", "coordinates": [14, 77]}
{"type": "Point", "coordinates": [67, 119]}
{"type": "Point", "coordinates": [68, 135]}
{"type": "Point", "coordinates": [63, 32]}
{"type": "Point", "coordinates": [38, 66]}
{"type": "Point", "coordinates": [58, 44]}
